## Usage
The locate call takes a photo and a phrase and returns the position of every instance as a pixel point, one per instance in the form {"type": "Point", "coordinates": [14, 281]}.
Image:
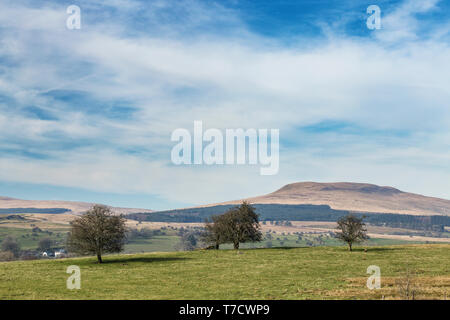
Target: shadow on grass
{"type": "Point", "coordinates": [369, 249]}
{"type": "Point", "coordinates": [125, 260]}
{"type": "Point", "coordinates": [276, 248]}
{"type": "Point", "coordinates": [340, 248]}
{"type": "Point", "coordinates": [376, 249]}
{"type": "Point", "coordinates": [287, 248]}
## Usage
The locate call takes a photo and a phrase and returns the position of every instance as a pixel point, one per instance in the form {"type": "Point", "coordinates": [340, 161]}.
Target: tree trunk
{"type": "Point", "coordinates": [217, 246]}
{"type": "Point", "coordinates": [350, 246]}
{"type": "Point", "coordinates": [236, 245]}
{"type": "Point", "coordinates": [99, 258]}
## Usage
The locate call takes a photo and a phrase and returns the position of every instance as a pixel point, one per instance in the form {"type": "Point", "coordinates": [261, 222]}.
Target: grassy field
{"type": "Point", "coordinates": [167, 241]}
{"type": "Point", "coordinates": [30, 240]}
{"type": "Point", "coordinates": [290, 240]}
{"type": "Point", "coordinates": [156, 243]}
{"type": "Point", "coordinates": [278, 273]}
{"type": "Point", "coordinates": [56, 227]}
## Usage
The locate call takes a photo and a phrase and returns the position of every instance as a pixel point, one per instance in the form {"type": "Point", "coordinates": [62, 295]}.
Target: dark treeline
{"type": "Point", "coordinates": [34, 210]}
{"type": "Point", "coordinates": [268, 212]}
{"type": "Point", "coordinates": [134, 234]}
{"type": "Point", "coordinates": [279, 212]}
{"type": "Point", "coordinates": [429, 223]}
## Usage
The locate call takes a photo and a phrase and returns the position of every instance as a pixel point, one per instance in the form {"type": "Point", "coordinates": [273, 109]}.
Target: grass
{"type": "Point", "coordinates": [278, 273]}
{"type": "Point", "coordinates": [290, 240]}
{"type": "Point", "coordinates": [156, 243]}
{"type": "Point", "coordinates": [167, 241]}
{"type": "Point", "coordinates": [53, 227]}
{"type": "Point", "coordinates": [29, 240]}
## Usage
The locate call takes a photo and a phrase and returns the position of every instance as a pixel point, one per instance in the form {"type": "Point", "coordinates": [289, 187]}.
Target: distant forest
{"type": "Point", "coordinates": [280, 212]}
{"type": "Point", "coordinates": [34, 210]}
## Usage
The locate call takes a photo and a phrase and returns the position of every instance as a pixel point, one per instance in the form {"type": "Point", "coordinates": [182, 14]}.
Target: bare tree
{"type": "Point", "coordinates": [96, 232]}
{"type": "Point", "coordinates": [352, 230]}
{"type": "Point", "coordinates": [6, 256]}
{"type": "Point", "coordinates": [45, 244]}
{"type": "Point", "coordinates": [188, 242]}
{"type": "Point", "coordinates": [241, 225]}
{"type": "Point", "coordinates": [10, 244]}
{"type": "Point", "coordinates": [237, 225]}
{"type": "Point", "coordinates": [214, 233]}
{"type": "Point", "coordinates": [407, 285]}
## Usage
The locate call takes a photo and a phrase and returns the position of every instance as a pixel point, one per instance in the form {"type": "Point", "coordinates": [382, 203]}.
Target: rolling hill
{"type": "Point", "coordinates": [308, 196]}
{"type": "Point", "coordinates": [11, 205]}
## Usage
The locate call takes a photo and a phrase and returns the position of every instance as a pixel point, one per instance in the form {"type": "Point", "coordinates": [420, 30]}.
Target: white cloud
{"type": "Point", "coordinates": [227, 81]}
{"type": "Point", "coordinates": [401, 24]}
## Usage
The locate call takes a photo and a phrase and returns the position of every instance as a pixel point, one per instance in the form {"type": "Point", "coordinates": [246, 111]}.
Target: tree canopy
{"type": "Point", "coordinates": [352, 230]}
{"type": "Point", "coordinates": [96, 232]}
{"type": "Point", "coordinates": [10, 244]}
{"type": "Point", "coordinates": [238, 225]}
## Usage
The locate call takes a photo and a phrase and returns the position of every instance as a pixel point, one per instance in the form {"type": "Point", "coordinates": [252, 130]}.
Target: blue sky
{"type": "Point", "coordinates": [87, 114]}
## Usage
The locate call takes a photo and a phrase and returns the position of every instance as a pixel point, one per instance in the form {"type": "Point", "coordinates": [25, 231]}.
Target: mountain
{"type": "Point", "coordinates": [360, 197]}
{"type": "Point", "coordinates": [345, 196]}
{"type": "Point", "coordinates": [11, 205]}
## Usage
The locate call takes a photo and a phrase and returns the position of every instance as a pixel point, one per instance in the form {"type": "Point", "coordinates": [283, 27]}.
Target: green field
{"type": "Point", "coordinates": [29, 240]}
{"type": "Point", "coordinates": [156, 243]}
{"type": "Point", "coordinates": [167, 241]}
{"type": "Point", "coordinates": [278, 273]}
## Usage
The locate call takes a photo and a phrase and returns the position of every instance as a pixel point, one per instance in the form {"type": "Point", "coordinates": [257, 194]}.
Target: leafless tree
{"type": "Point", "coordinates": [352, 230]}
{"type": "Point", "coordinates": [407, 285]}
{"type": "Point", "coordinates": [96, 232]}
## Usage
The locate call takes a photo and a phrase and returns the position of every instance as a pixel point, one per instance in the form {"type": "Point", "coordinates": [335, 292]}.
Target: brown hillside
{"type": "Point", "coordinates": [356, 197]}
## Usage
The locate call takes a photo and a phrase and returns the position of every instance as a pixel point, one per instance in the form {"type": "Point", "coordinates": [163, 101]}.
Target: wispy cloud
{"type": "Point", "coordinates": [94, 108]}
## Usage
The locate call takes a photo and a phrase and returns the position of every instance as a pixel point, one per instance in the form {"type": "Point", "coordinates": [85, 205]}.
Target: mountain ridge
{"type": "Point", "coordinates": [349, 196]}
{"type": "Point", "coordinates": [352, 196]}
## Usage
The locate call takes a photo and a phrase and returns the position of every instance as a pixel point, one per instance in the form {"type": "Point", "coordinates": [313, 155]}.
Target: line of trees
{"type": "Point", "coordinates": [99, 231]}
{"type": "Point", "coordinates": [280, 212]}
{"type": "Point", "coordinates": [10, 249]}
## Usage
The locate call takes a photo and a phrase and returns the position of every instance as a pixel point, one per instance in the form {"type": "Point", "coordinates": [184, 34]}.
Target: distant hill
{"type": "Point", "coordinates": [11, 205]}
{"type": "Point", "coordinates": [300, 212]}
{"type": "Point", "coordinates": [359, 197]}
{"type": "Point", "coordinates": [305, 197]}
{"type": "Point", "coordinates": [310, 201]}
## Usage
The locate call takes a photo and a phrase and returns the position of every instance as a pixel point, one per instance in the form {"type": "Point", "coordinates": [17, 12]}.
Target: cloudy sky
{"type": "Point", "coordinates": [87, 114]}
